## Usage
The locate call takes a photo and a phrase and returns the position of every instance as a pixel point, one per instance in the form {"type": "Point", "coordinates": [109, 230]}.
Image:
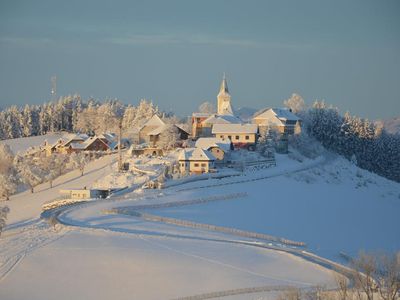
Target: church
{"type": "Point", "coordinates": [202, 123]}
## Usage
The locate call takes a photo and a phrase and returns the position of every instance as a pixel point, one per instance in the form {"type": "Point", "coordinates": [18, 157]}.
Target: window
{"type": "Point", "coordinates": [221, 136]}
{"type": "Point", "coordinates": [237, 137]}
{"type": "Point", "coordinates": [247, 137]}
{"type": "Point", "coordinates": [196, 165]}
{"type": "Point", "coordinates": [203, 165]}
{"type": "Point", "coordinates": [230, 137]}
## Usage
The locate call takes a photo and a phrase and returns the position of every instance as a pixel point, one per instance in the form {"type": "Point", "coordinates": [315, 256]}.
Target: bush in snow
{"type": "Point", "coordinates": [305, 145]}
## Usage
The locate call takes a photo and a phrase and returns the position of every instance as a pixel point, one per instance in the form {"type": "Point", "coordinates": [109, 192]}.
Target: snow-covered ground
{"type": "Point", "coordinates": [334, 207]}
{"type": "Point", "coordinates": [99, 254]}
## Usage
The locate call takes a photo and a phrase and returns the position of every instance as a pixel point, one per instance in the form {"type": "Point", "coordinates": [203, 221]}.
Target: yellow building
{"type": "Point", "coordinates": [196, 161]}
{"type": "Point", "coordinates": [279, 119]}
{"type": "Point", "coordinates": [241, 135]}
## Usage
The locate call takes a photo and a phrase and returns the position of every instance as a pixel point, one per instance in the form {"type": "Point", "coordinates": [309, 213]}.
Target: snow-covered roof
{"type": "Point", "coordinates": [283, 114]}
{"type": "Point", "coordinates": [157, 131]}
{"type": "Point", "coordinates": [154, 121]}
{"type": "Point", "coordinates": [110, 137]}
{"type": "Point", "coordinates": [114, 145]}
{"type": "Point", "coordinates": [234, 128]}
{"type": "Point", "coordinates": [78, 146]}
{"type": "Point", "coordinates": [91, 140]}
{"type": "Point", "coordinates": [210, 142]}
{"type": "Point", "coordinates": [222, 119]}
{"type": "Point", "coordinates": [195, 154]}
{"type": "Point", "coordinates": [160, 129]}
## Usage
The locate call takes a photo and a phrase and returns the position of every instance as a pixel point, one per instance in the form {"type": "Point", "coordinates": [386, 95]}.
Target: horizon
{"type": "Point", "coordinates": [344, 53]}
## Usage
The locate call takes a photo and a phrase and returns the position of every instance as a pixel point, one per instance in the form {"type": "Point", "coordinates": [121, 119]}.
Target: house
{"type": "Point", "coordinates": [153, 128]}
{"type": "Point", "coordinates": [154, 135]}
{"type": "Point", "coordinates": [63, 144]}
{"type": "Point", "coordinates": [219, 148]}
{"type": "Point", "coordinates": [197, 121]}
{"type": "Point", "coordinates": [241, 135]}
{"type": "Point", "coordinates": [108, 137]}
{"type": "Point", "coordinates": [84, 193]}
{"type": "Point", "coordinates": [207, 124]}
{"type": "Point", "coordinates": [154, 123]}
{"type": "Point", "coordinates": [279, 119]}
{"type": "Point", "coordinates": [94, 143]}
{"type": "Point", "coordinates": [196, 161]}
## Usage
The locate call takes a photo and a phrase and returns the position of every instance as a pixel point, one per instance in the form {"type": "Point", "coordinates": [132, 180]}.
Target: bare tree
{"type": "Point", "coordinates": [364, 270]}
{"type": "Point", "coordinates": [343, 291]}
{"type": "Point", "coordinates": [388, 276]}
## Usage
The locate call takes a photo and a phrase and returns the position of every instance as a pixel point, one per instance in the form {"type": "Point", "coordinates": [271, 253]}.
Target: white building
{"type": "Point", "coordinates": [219, 148]}
{"type": "Point", "coordinates": [196, 161]}
{"type": "Point", "coordinates": [280, 119]}
{"type": "Point", "coordinates": [241, 135]}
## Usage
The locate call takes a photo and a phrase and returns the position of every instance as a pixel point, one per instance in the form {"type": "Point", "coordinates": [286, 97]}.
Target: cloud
{"type": "Point", "coordinates": [25, 41]}
{"type": "Point", "coordinates": [168, 39]}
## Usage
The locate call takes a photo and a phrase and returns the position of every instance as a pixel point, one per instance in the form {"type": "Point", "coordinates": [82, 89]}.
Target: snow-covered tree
{"type": "Point", "coordinates": [207, 107]}
{"type": "Point", "coordinates": [168, 137]}
{"type": "Point", "coordinates": [78, 161]}
{"type": "Point", "coordinates": [8, 185]}
{"type": "Point", "coordinates": [28, 171]}
{"type": "Point", "coordinates": [4, 210]}
{"type": "Point", "coordinates": [295, 103]}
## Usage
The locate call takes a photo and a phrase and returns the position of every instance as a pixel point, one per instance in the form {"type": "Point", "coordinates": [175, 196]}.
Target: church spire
{"type": "Point", "coordinates": [224, 99]}
{"type": "Point", "coordinates": [224, 85]}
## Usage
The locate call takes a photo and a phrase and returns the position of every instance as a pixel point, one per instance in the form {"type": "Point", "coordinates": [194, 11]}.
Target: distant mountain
{"type": "Point", "coordinates": [392, 125]}
{"type": "Point", "coordinates": [245, 113]}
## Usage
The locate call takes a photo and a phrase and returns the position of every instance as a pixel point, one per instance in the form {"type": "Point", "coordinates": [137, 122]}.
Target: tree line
{"type": "Point", "coordinates": [73, 114]}
{"type": "Point", "coordinates": [365, 143]}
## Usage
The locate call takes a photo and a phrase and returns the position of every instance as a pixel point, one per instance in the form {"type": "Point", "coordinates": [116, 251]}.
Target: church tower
{"type": "Point", "coordinates": [224, 99]}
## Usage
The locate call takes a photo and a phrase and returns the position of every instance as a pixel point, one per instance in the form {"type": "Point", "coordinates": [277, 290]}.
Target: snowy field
{"type": "Point", "coordinates": [98, 253]}
{"type": "Point", "coordinates": [333, 208]}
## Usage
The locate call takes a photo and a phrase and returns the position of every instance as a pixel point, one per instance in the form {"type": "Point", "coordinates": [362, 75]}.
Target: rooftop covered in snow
{"type": "Point", "coordinates": [234, 128]}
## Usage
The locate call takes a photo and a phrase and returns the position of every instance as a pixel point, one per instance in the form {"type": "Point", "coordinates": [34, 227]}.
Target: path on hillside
{"type": "Point", "coordinates": [25, 230]}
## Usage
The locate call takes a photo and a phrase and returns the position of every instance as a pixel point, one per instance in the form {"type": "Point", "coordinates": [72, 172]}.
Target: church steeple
{"type": "Point", "coordinates": [224, 99]}
{"type": "Point", "coordinates": [224, 85]}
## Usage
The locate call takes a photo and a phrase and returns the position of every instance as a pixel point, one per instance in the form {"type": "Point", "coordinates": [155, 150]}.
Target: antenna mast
{"type": "Point", "coordinates": [53, 87]}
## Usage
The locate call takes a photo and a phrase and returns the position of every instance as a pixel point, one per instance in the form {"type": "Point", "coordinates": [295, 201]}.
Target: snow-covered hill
{"type": "Point", "coordinates": [334, 207]}
{"type": "Point", "coordinates": [20, 145]}
{"type": "Point", "coordinates": [328, 203]}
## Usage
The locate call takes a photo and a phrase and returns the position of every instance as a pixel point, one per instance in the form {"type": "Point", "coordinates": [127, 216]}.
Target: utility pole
{"type": "Point", "coordinates": [119, 146]}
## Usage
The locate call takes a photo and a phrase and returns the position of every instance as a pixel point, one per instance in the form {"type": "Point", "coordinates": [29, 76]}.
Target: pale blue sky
{"type": "Point", "coordinates": [174, 52]}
